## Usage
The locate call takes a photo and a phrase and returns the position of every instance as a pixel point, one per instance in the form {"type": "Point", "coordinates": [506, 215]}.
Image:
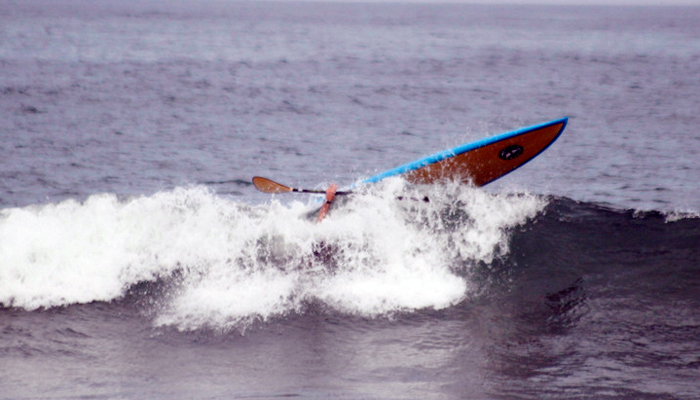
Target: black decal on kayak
{"type": "Point", "coordinates": [511, 152]}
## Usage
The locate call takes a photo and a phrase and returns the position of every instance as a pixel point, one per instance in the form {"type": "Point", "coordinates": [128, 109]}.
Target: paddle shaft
{"type": "Point", "coordinates": [266, 185]}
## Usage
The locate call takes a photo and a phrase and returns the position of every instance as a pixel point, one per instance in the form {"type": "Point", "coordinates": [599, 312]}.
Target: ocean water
{"type": "Point", "coordinates": [137, 261]}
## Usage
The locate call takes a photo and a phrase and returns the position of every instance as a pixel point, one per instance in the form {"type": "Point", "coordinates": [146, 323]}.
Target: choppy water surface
{"type": "Point", "coordinates": [136, 260]}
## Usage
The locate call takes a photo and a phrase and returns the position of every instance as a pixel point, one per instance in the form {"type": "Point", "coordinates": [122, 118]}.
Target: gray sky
{"type": "Point", "coordinates": [576, 2]}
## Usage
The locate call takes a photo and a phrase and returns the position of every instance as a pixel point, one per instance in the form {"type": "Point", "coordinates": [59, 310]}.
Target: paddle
{"type": "Point", "coordinates": [269, 186]}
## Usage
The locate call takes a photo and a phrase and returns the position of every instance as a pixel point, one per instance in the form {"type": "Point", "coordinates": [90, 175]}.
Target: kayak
{"type": "Point", "coordinates": [476, 163]}
{"type": "Point", "coordinates": [482, 161]}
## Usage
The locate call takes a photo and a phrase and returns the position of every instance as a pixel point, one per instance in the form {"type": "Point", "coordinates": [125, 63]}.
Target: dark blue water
{"type": "Point", "coordinates": [137, 260]}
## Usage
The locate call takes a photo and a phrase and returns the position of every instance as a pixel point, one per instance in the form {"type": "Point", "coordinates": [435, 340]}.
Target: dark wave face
{"type": "Point", "coordinates": [598, 303]}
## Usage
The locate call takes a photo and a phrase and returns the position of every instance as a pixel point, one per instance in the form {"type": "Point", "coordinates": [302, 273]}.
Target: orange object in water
{"type": "Point", "coordinates": [483, 161]}
{"type": "Point", "coordinates": [330, 195]}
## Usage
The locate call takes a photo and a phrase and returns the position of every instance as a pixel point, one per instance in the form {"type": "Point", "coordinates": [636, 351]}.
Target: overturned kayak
{"type": "Point", "coordinates": [477, 163]}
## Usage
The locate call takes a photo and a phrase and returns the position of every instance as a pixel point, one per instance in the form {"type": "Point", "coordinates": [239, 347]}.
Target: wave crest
{"type": "Point", "coordinates": [237, 263]}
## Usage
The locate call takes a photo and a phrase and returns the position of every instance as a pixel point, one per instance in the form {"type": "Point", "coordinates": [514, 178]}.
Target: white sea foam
{"type": "Point", "coordinates": [236, 262]}
{"type": "Point", "coordinates": [678, 215]}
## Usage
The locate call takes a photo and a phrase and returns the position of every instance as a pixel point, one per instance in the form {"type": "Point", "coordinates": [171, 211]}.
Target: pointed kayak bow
{"type": "Point", "coordinates": [483, 161]}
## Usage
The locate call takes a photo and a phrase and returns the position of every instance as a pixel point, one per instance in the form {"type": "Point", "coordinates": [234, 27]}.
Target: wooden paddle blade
{"type": "Point", "coordinates": [269, 186]}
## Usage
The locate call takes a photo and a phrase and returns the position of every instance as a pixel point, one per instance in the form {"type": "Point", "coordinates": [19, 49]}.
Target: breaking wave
{"type": "Point", "coordinates": [228, 263]}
